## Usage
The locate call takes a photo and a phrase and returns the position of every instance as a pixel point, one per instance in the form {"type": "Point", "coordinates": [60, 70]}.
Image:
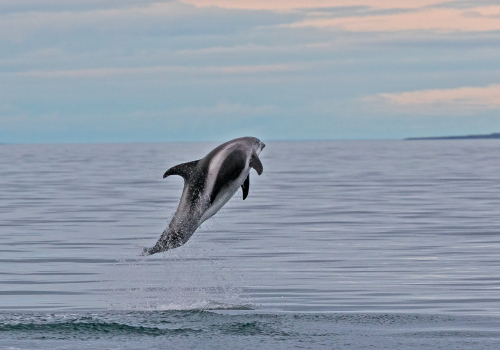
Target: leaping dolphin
{"type": "Point", "coordinates": [208, 184]}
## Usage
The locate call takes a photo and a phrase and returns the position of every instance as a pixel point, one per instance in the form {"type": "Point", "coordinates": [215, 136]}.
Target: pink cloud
{"type": "Point", "coordinates": [487, 97]}
{"type": "Point", "coordinates": [441, 19]}
{"type": "Point", "coordinates": [422, 16]}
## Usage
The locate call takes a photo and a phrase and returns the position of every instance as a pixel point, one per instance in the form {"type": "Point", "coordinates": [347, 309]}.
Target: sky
{"type": "Point", "coordinates": [211, 70]}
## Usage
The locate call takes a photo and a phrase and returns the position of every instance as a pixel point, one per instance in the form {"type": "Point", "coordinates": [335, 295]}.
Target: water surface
{"type": "Point", "coordinates": [348, 244]}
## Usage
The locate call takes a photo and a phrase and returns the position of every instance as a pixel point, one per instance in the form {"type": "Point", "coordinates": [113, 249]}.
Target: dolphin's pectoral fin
{"type": "Point", "coordinates": [185, 170]}
{"type": "Point", "coordinates": [256, 164]}
{"type": "Point", "coordinates": [246, 186]}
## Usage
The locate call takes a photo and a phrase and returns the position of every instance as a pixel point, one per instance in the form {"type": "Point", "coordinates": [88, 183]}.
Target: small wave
{"type": "Point", "coordinates": [138, 324]}
{"type": "Point", "coordinates": [92, 326]}
{"type": "Point", "coordinates": [205, 329]}
{"type": "Point", "coordinates": [195, 306]}
{"type": "Point", "coordinates": [83, 330]}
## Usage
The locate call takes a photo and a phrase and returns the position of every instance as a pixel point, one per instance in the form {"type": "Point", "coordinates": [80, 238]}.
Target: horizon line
{"type": "Point", "coordinates": [411, 138]}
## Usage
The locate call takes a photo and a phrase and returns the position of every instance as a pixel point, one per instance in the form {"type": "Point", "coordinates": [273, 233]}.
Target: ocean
{"type": "Point", "coordinates": [339, 245]}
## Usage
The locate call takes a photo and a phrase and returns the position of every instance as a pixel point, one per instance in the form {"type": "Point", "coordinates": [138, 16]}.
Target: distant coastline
{"type": "Point", "coordinates": [495, 135]}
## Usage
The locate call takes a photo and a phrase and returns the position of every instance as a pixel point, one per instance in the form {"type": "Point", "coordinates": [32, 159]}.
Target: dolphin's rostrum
{"type": "Point", "coordinates": [208, 184]}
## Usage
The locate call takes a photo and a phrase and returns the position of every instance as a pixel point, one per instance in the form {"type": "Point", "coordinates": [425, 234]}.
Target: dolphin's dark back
{"type": "Point", "coordinates": [230, 170]}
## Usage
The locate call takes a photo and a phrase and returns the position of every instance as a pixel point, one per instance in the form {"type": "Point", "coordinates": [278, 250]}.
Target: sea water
{"type": "Point", "coordinates": [340, 244]}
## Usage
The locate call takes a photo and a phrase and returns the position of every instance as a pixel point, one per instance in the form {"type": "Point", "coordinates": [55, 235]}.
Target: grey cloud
{"type": "Point", "coordinates": [123, 38]}
{"type": "Point", "coordinates": [15, 6]}
{"type": "Point", "coordinates": [466, 4]}
{"type": "Point", "coordinates": [153, 20]}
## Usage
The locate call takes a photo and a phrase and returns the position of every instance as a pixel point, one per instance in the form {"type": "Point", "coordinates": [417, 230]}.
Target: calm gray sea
{"type": "Point", "coordinates": [342, 244]}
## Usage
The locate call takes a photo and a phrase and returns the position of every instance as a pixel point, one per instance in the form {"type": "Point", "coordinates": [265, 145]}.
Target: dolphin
{"type": "Point", "coordinates": [208, 184]}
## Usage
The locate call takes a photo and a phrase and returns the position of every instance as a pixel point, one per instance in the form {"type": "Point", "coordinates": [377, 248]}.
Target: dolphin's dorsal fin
{"type": "Point", "coordinates": [246, 186]}
{"type": "Point", "coordinates": [185, 170]}
{"type": "Point", "coordinates": [256, 164]}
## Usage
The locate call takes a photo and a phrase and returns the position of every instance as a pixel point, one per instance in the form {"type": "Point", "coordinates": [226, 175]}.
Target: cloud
{"type": "Point", "coordinates": [461, 99]}
{"type": "Point", "coordinates": [109, 72]}
{"type": "Point", "coordinates": [12, 6]}
{"type": "Point", "coordinates": [287, 5]}
{"type": "Point", "coordinates": [440, 19]}
{"type": "Point", "coordinates": [224, 110]}
{"type": "Point", "coordinates": [159, 18]}
{"type": "Point", "coordinates": [392, 16]}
